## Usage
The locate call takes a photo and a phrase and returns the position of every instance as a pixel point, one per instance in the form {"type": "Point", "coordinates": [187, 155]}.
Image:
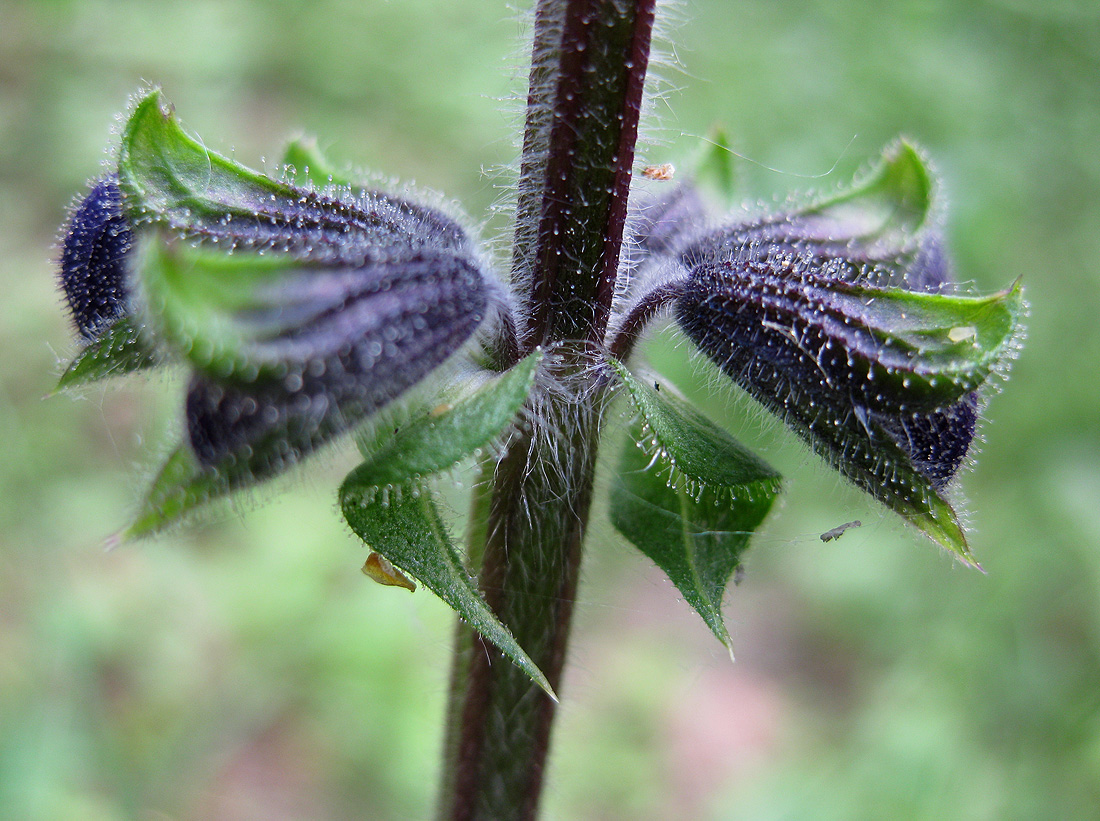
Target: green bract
{"type": "Point", "coordinates": [387, 504]}
{"type": "Point", "coordinates": [439, 437]}
{"type": "Point", "coordinates": [688, 496]}
{"type": "Point", "coordinates": [119, 349]}
{"type": "Point", "coordinates": [404, 526]}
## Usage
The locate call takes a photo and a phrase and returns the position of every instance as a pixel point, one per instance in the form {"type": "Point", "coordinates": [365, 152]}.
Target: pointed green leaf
{"type": "Point", "coordinates": [900, 460]}
{"type": "Point", "coordinates": [121, 349]}
{"type": "Point", "coordinates": [698, 449]}
{"type": "Point", "coordinates": [438, 438]}
{"type": "Point", "coordinates": [181, 486]}
{"type": "Point", "coordinates": [688, 496]}
{"type": "Point", "coordinates": [910, 494]}
{"type": "Point", "coordinates": [404, 526]}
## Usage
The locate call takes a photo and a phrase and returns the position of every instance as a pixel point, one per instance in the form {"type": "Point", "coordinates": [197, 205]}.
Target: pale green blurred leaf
{"type": "Point", "coordinates": [305, 164]}
{"type": "Point", "coordinates": [890, 206]}
{"type": "Point", "coordinates": [212, 306]}
{"type": "Point", "coordinates": [713, 171]}
{"type": "Point", "coordinates": [181, 486]}
{"type": "Point", "coordinates": [168, 177]}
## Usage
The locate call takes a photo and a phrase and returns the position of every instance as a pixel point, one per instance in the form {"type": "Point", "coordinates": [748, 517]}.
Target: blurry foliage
{"type": "Point", "coordinates": [246, 669]}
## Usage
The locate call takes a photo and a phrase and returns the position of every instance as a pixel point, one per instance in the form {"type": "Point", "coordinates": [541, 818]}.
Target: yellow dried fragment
{"type": "Point", "coordinates": [379, 568]}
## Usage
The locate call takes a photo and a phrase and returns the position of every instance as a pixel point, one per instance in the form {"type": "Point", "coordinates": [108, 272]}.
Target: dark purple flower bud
{"type": "Point", "coordinates": [813, 242]}
{"type": "Point", "coordinates": [937, 443]}
{"type": "Point", "coordinates": [93, 253]}
{"type": "Point", "coordinates": [332, 347]}
{"type": "Point", "coordinates": [314, 226]}
{"type": "Point", "coordinates": [170, 180]}
{"type": "Point", "coordinates": [880, 380]}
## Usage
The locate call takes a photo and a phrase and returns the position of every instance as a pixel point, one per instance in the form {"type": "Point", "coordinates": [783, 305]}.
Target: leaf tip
{"type": "Point", "coordinates": [133, 531]}
{"type": "Point", "coordinates": [1015, 292]}
{"type": "Point", "coordinates": [963, 554]}
{"type": "Point", "coordinates": [907, 172]}
{"type": "Point", "coordinates": [544, 685]}
{"type": "Point", "coordinates": [956, 544]}
{"type": "Point", "coordinates": [152, 98]}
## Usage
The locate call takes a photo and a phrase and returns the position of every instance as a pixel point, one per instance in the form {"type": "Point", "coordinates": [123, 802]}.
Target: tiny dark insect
{"type": "Point", "coordinates": [838, 531]}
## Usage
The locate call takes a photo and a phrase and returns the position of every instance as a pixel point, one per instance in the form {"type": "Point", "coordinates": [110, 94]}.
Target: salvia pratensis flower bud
{"type": "Point", "coordinates": [97, 239]}
{"type": "Point", "coordinates": [331, 347]}
{"type": "Point", "coordinates": [172, 181]}
{"type": "Point", "coordinates": [895, 418]}
{"type": "Point", "coordinates": [853, 334]}
{"type": "Point", "coordinates": [796, 317]}
{"type": "Point", "coordinates": [299, 311]}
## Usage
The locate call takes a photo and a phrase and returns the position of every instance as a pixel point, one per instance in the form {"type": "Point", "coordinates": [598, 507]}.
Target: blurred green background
{"type": "Point", "coordinates": [245, 669]}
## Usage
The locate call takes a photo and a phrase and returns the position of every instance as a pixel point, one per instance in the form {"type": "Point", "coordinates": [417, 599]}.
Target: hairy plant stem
{"type": "Point", "coordinates": [589, 61]}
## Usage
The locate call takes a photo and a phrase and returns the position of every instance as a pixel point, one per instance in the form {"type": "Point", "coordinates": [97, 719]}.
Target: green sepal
{"type": "Point", "coordinates": [170, 178]}
{"type": "Point", "coordinates": [439, 437]}
{"type": "Point", "coordinates": [181, 486]}
{"type": "Point", "coordinates": [888, 207]}
{"type": "Point", "coordinates": [688, 496]}
{"type": "Point", "coordinates": [304, 164]}
{"type": "Point", "coordinates": [920, 350]}
{"type": "Point", "coordinates": [121, 349]}
{"type": "Point", "coordinates": [403, 525]}
{"type": "Point", "coordinates": [909, 493]}
{"type": "Point", "coordinates": [205, 304]}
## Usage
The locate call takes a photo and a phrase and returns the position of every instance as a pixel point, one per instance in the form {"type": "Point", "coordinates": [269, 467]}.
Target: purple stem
{"type": "Point", "coordinates": [589, 62]}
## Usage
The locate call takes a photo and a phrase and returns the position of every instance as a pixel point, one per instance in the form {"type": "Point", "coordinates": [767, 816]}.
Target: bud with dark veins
{"type": "Point", "coordinates": [172, 181]}
{"type": "Point", "coordinates": [329, 348]}
{"type": "Point", "coordinates": [300, 312]}
{"type": "Point", "coordinates": [851, 331]}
